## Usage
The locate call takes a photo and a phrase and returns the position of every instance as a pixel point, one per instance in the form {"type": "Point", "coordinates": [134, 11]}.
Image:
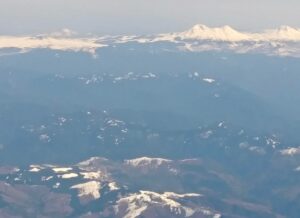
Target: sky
{"type": "Point", "coordinates": [19, 17]}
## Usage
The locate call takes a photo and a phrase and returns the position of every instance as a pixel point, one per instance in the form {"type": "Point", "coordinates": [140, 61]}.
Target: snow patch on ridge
{"type": "Point", "coordinates": [62, 169]}
{"type": "Point", "coordinates": [92, 175]}
{"type": "Point", "coordinates": [88, 189]}
{"type": "Point", "coordinates": [146, 161]}
{"type": "Point", "coordinates": [68, 175]}
{"type": "Point", "coordinates": [136, 204]}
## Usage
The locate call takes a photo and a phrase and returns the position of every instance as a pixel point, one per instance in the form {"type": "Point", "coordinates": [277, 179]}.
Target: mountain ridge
{"type": "Point", "coordinates": [283, 41]}
{"type": "Point", "coordinates": [227, 33]}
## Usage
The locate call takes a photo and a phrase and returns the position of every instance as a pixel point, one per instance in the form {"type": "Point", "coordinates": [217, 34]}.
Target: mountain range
{"type": "Point", "coordinates": [202, 123]}
{"type": "Point", "coordinates": [283, 41]}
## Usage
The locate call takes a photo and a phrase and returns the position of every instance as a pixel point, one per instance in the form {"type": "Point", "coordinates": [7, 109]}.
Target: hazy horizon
{"type": "Point", "coordinates": [142, 17]}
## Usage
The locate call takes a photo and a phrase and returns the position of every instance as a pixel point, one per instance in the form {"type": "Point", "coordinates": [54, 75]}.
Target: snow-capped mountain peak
{"type": "Point", "coordinates": [147, 161]}
{"type": "Point", "coordinates": [203, 32]}
{"type": "Point", "coordinates": [283, 33]}
{"type": "Point", "coordinates": [228, 34]}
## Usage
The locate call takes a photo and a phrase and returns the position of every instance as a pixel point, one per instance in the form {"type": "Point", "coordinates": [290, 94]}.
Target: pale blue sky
{"type": "Point", "coordinates": [143, 16]}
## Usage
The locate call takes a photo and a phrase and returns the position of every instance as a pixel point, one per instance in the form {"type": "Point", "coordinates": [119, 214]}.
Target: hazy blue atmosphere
{"type": "Point", "coordinates": [141, 16]}
{"type": "Point", "coordinates": [143, 109]}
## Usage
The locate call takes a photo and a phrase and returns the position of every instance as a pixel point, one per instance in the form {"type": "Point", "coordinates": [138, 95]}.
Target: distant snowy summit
{"type": "Point", "coordinates": [227, 33]}
{"type": "Point", "coordinates": [283, 41]}
{"type": "Point", "coordinates": [202, 32]}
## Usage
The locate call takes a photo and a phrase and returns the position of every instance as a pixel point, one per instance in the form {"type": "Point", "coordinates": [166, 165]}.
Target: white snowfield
{"type": "Point", "coordinates": [35, 169]}
{"type": "Point", "coordinates": [68, 175]}
{"type": "Point", "coordinates": [203, 32]}
{"type": "Point", "coordinates": [113, 186]}
{"type": "Point", "coordinates": [88, 189]}
{"type": "Point", "coordinates": [62, 169]}
{"type": "Point", "coordinates": [147, 161]}
{"type": "Point", "coordinates": [93, 175]}
{"type": "Point", "coordinates": [175, 195]}
{"type": "Point", "coordinates": [138, 203]}
{"type": "Point", "coordinates": [290, 151]}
